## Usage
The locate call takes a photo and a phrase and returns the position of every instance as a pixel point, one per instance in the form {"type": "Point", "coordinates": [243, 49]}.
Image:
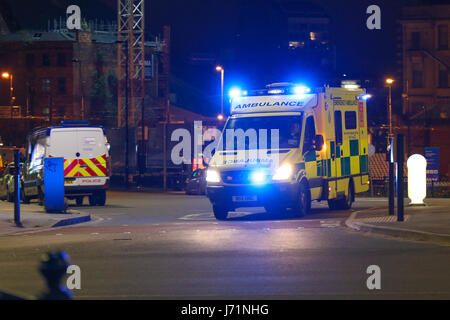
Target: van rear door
{"type": "Point", "coordinates": [91, 146]}
{"type": "Point", "coordinates": [63, 143]}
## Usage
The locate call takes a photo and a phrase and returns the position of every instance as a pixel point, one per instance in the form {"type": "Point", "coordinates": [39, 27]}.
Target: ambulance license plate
{"type": "Point", "coordinates": [243, 198]}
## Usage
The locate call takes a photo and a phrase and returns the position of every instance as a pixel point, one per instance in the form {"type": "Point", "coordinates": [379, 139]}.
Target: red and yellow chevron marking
{"type": "Point", "coordinates": [94, 167]}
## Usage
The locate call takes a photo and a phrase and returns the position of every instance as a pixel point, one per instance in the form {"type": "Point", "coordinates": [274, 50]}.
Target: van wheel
{"type": "Point", "coordinates": [303, 205]}
{"type": "Point", "coordinates": [25, 199]}
{"type": "Point", "coordinates": [220, 212]}
{"type": "Point", "coordinates": [97, 198]}
{"type": "Point", "coordinates": [79, 201]}
{"type": "Point", "coordinates": [9, 196]}
{"type": "Point", "coordinates": [40, 196]}
{"type": "Point", "coordinates": [101, 198]}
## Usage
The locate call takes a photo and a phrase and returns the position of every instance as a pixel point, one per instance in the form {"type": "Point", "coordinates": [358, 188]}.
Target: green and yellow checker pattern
{"type": "Point", "coordinates": [350, 159]}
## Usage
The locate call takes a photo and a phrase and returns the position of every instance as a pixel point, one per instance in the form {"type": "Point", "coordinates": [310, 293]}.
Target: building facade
{"type": "Point", "coordinates": [426, 80]}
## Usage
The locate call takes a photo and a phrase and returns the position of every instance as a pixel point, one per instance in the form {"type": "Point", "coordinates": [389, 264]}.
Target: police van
{"type": "Point", "coordinates": [309, 146]}
{"type": "Point", "coordinates": [85, 151]}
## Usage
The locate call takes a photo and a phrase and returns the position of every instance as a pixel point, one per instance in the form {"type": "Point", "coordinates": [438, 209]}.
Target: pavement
{"type": "Point", "coordinates": [429, 223]}
{"type": "Point", "coordinates": [35, 218]}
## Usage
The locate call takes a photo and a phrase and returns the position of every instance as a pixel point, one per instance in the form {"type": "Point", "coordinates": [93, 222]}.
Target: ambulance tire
{"type": "Point", "coordinates": [332, 204]}
{"type": "Point", "coordinates": [346, 203]}
{"type": "Point", "coordinates": [220, 212]}
{"type": "Point", "coordinates": [275, 209]}
{"type": "Point", "coordinates": [303, 206]}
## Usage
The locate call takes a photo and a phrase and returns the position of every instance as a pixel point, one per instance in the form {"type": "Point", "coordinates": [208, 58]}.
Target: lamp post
{"type": "Point", "coordinates": [389, 82]}
{"type": "Point", "coordinates": [221, 70]}
{"type": "Point", "coordinates": [8, 75]}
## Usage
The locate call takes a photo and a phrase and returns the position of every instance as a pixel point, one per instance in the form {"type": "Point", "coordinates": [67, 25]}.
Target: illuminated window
{"type": "Point", "coordinates": [313, 36]}
{"type": "Point", "coordinates": [296, 44]}
{"type": "Point", "coordinates": [46, 85]}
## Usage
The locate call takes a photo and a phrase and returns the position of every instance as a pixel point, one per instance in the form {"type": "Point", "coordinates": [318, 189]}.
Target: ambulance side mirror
{"type": "Point", "coordinates": [318, 142]}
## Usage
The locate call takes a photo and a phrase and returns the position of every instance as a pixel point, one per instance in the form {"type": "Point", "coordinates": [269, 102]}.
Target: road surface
{"type": "Point", "coordinates": [169, 246]}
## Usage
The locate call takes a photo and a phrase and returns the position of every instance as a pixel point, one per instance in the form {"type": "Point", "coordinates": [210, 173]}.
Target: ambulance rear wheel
{"type": "Point", "coordinates": [220, 212]}
{"type": "Point", "coordinates": [346, 203]}
{"type": "Point", "coordinates": [332, 204]}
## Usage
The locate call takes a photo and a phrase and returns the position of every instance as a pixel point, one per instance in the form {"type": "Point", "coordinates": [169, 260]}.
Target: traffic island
{"type": "Point", "coordinates": [40, 220]}
{"type": "Point", "coordinates": [430, 223]}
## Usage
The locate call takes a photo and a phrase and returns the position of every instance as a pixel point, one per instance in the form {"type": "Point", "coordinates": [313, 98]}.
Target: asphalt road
{"type": "Point", "coordinates": [169, 246]}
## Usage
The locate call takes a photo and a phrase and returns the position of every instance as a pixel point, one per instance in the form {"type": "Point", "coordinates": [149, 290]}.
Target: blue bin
{"type": "Point", "coordinates": [54, 185]}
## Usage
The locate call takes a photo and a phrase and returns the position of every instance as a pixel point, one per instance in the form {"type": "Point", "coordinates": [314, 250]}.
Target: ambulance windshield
{"type": "Point", "coordinates": [289, 130]}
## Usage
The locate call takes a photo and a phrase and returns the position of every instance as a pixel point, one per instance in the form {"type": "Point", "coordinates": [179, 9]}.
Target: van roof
{"type": "Point", "coordinates": [69, 124]}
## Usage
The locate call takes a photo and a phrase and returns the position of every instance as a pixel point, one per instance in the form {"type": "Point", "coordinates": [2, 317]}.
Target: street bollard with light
{"type": "Point", "coordinates": [417, 179]}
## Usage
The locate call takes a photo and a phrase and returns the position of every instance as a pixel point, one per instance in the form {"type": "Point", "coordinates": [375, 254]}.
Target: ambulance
{"type": "Point", "coordinates": [310, 145]}
{"type": "Point", "coordinates": [85, 151]}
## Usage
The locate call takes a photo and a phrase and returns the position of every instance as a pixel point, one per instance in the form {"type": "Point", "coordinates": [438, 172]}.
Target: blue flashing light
{"type": "Point", "coordinates": [258, 177]}
{"type": "Point", "coordinates": [366, 96]}
{"type": "Point", "coordinates": [235, 92]}
{"type": "Point", "coordinates": [300, 89]}
{"type": "Point", "coordinates": [275, 91]}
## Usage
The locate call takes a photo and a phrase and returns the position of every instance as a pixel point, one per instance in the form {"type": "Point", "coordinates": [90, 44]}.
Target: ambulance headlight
{"type": "Point", "coordinates": [212, 176]}
{"type": "Point", "coordinates": [258, 177]}
{"type": "Point", "coordinates": [283, 173]}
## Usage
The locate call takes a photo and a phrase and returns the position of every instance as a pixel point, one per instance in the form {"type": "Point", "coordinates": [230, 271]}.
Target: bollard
{"type": "Point", "coordinates": [17, 188]}
{"type": "Point", "coordinates": [53, 268]}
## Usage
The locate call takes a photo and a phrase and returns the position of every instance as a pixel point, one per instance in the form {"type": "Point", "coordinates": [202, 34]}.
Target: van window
{"type": "Point", "coordinates": [338, 126]}
{"type": "Point", "coordinates": [350, 120]}
{"type": "Point", "coordinates": [310, 134]}
{"type": "Point", "coordinates": [38, 154]}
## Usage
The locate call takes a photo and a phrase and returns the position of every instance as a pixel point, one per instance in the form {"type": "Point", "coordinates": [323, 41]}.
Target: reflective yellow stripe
{"type": "Point", "coordinates": [94, 168]}
{"type": "Point", "coordinates": [73, 171]}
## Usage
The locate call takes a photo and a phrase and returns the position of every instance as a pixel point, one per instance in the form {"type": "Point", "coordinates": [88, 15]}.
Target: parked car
{"type": "Point", "coordinates": [7, 183]}
{"type": "Point", "coordinates": [196, 183]}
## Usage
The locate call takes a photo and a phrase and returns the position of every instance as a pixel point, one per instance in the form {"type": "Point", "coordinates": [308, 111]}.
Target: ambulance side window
{"type": "Point", "coordinates": [310, 134]}
{"type": "Point", "coordinates": [338, 127]}
{"type": "Point", "coordinates": [350, 120]}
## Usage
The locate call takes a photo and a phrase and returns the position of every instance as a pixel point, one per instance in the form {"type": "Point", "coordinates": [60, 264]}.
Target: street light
{"type": "Point", "coordinates": [8, 75]}
{"type": "Point", "coordinates": [389, 82]}
{"type": "Point", "coordinates": [221, 70]}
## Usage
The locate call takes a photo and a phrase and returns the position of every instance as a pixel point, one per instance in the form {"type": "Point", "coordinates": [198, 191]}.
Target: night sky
{"type": "Point", "coordinates": [241, 35]}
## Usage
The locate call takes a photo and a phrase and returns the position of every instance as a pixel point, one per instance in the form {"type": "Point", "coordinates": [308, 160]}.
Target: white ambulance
{"type": "Point", "coordinates": [284, 146]}
{"type": "Point", "coordinates": [87, 168]}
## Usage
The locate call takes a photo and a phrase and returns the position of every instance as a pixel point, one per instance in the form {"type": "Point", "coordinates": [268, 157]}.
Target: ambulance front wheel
{"type": "Point", "coordinates": [220, 212]}
{"type": "Point", "coordinates": [303, 205]}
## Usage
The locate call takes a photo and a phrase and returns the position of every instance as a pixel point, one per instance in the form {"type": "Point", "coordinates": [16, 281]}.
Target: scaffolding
{"type": "Point", "coordinates": [130, 61]}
